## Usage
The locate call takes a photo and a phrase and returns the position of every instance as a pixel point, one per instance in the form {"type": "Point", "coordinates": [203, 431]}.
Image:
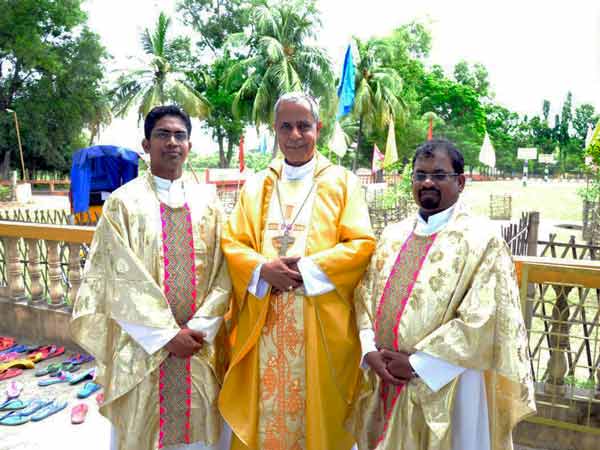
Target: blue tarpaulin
{"type": "Point", "coordinates": [102, 168]}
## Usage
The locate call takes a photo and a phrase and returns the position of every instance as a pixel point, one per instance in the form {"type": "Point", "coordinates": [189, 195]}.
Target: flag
{"type": "Point", "coordinates": [487, 154]}
{"type": "Point", "coordinates": [338, 141]}
{"type": "Point", "coordinates": [346, 88]}
{"type": "Point", "coordinates": [376, 164]}
{"type": "Point", "coordinates": [391, 153]}
{"type": "Point", "coordinates": [588, 136]}
{"type": "Point", "coordinates": [262, 146]}
{"type": "Point", "coordinates": [241, 154]}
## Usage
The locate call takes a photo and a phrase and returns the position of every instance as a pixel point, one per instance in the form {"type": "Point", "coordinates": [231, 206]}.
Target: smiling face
{"type": "Point", "coordinates": [297, 132]}
{"type": "Point", "coordinates": [431, 195]}
{"type": "Point", "coordinates": [168, 147]}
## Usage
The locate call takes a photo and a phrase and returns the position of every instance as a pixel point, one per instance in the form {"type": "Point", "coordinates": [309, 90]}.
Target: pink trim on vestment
{"type": "Point", "coordinates": [188, 377]}
{"type": "Point", "coordinates": [404, 302]}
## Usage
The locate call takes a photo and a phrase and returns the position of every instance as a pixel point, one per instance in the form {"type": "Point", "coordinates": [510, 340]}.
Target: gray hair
{"type": "Point", "coordinates": [302, 98]}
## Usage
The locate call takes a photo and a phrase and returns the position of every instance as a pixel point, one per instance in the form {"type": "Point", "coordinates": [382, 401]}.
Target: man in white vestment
{"type": "Point", "coordinates": [446, 360]}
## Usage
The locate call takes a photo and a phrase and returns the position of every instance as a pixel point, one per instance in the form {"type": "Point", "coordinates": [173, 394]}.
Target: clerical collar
{"type": "Point", "coordinates": [170, 192]}
{"type": "Point", "coordinates": [298, 172]}
{"type": "Point", "coordinates": [435, 222]}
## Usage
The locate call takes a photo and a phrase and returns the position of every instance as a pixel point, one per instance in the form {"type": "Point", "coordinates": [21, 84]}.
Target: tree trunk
{"type": "Point", "coordinates": [5, 165]}
{"type": "Point", "coordinates": [222, 160]}
{"type": "Point", "coordinates": [358, 143]}
{"type": "Point", "coordinates": [230, 141]}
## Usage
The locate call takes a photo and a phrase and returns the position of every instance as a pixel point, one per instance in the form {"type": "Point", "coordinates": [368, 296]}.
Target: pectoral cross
{"type": "Point", "coordinates": [284, 242]}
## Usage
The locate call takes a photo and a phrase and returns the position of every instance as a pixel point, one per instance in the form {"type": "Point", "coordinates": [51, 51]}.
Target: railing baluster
{"type": "Point", "coordinates": [55, 287]}
{"type": "Point", "coordinates": [35, 271]}
{"type": "Point", "coordinates": [14, 269]}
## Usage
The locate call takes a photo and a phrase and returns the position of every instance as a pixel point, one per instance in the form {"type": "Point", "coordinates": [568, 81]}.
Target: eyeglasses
{"type": "Point", "coordinates": [163, 135]}
{"type": "Point", "coordinates": [438, 177]}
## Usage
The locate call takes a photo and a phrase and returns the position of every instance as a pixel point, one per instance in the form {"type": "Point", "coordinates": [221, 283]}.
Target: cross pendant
{"type": "Point", "coordinates": [284, 241]}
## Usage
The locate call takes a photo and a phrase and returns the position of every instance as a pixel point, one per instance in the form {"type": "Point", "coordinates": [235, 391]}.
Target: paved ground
{"type": "Point", "coordinates": [55, 432]}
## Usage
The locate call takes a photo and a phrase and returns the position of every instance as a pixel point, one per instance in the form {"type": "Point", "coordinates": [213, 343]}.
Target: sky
{"type": "Point", "coordinates": [533, 49]}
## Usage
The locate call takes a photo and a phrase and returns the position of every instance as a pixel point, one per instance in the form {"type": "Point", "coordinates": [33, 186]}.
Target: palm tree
{"type": "Point", "coordinates": [280, 60]}
{"type": "Point", "coordinates": [378, 86]}
{"type": "Point", "coordinates": [162, 79]}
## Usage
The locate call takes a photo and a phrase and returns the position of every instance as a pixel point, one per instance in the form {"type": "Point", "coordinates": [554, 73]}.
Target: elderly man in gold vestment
{"type": "Point", "coordinates": [297, 243]}
{"type": "Point", "coordinates": [152, 301]}
{"type": "Point", "coordinates": [446, 361]}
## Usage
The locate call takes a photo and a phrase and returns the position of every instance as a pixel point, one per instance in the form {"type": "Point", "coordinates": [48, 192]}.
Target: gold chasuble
{"type": "Point", "coordinates": [295, 359]}
{"type": "Point", "coordinates": [155, 266]}
{"type": "Point", "coordinates": [454, 296]}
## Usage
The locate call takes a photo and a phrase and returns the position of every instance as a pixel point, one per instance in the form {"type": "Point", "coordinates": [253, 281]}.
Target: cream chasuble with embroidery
{"type": "Point", "coordinates": [453, 296]}
{"type": "Point", "coordinates": [155, 267]}
{"type": "Point", "coordinates": [295, 360]}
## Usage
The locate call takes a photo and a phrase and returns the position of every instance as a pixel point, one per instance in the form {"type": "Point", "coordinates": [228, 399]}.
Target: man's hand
{"type": "Point", "coordinates": [185, 343]}
{"type": "Point", "coordinates": [398, 364]}
{"type": "Point", "coordinates": [376, 361]}
{"type": "Point", "coordinates": [279, 273]}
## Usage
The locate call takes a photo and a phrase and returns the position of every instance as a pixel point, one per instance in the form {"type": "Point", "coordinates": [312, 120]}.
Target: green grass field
{"type": "Point", "coordinates": [555, 201]}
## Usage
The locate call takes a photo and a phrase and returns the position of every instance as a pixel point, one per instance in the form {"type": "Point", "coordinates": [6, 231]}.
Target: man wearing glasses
{"type": "Point", "coordinates": [152, 301]}
{"type": "Point", "coordinates": [445, 347]}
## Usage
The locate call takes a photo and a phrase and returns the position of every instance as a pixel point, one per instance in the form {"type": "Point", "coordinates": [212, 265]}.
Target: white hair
{"type": "Point", "coordinates": [302, 98]}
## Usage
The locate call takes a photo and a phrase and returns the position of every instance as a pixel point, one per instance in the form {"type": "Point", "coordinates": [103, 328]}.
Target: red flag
{"type": "Point", "coordinates": [430, 132]}
{"type": "Point", "coordinates": [242, 163]}
{"type": "Point", "coordinates": [377, 159]}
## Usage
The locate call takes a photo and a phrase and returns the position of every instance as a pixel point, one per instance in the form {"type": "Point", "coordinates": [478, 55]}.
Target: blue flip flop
{"type": "Point", "coordinates": [13, 418]}
{"type": "Point", "coordinates": [48, 410]}
{"type": "Point", "coordinates": [88, 389]}
{"type": "Point", "coordinates": [35, 405]}
{"type": "Point", "coordinates": [89, 374]}
{"type": "Point", "coordinates": [63, 377]}
{"type": "Point", "coordinates": [14, 404]}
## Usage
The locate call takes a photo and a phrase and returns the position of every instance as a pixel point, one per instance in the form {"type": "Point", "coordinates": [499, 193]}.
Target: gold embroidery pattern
{"type": "Point", "coordinates": [282, 400]}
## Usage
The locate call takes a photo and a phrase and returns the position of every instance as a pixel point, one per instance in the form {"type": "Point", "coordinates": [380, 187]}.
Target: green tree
{"type": "Point", "coordinates": [51, 72]}
{"type": "Point", "coordinates": [280, 59]}
{"type": "Point", "coordinates": [377, 99]}
{"type": "Point", "coordinates": [226, 129]}
{"type": "Point", "coordinates": [214, 21]}
{"type": "Point", "coordinates": [163, 79]}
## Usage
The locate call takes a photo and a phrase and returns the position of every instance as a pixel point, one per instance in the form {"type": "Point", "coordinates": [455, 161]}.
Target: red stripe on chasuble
{"type": "Point", "coordinates": [175, 379]}
{"type": "Point", "coordinates": [392, 304]}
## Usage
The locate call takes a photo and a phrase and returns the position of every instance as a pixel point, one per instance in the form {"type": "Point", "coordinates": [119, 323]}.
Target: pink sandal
{"type": "Point", "coordinates": [78, 413]}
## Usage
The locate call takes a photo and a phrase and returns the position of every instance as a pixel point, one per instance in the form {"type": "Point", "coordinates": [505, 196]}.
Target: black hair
{"type": "Point", "coordinates": [427, 149]}
{"type": "Point", "coordinates": [159, 112]}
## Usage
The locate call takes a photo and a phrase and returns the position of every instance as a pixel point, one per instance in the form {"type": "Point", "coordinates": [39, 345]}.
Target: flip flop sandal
{"type": "Point", "coordinates": [88, 389]}
{"type": "Point", "coordinates": [51, 368]}
{"type": "Point", "coordinates": [10, 356]}
{"type": "Point", "coordinates": [89, 374]}
{"type": "Point", "coordinates": [78, 413]}
{"type": "Point", "coordinates": [48, 410]}
{"type": "Point", "coordinates": [80, 359]}
{"type": "Point", "coordinates": [10, 373]}
{"type": "Point", "coordinates": [14, 389]}
{"type": "Point", "coordinates": [17, 364]}
{"type": "Point", "coordinates": [63, 377]}
{"type": "Point", "coordinates": [6, 342]}
{"type": "Point", "coordinates": [69, 367]}
{"type": "Point", "coordinates": [14, 419]}
{"type": "Point", "coordinates": [16, 349]}
{"type": "Point", "coordinates": [14, 404]}
{"type": "Point", "coordinates": [35, 405]}
{"type": "Point", "coordinates": [55, 351]}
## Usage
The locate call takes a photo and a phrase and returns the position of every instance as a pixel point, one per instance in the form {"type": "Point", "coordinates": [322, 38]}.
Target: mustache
{"type": "Point", "coordinates": [434, 190]}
